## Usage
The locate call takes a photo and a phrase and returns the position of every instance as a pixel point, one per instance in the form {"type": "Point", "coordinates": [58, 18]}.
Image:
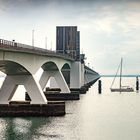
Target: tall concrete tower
{"type": "Point", "coordinates": [68, 41]}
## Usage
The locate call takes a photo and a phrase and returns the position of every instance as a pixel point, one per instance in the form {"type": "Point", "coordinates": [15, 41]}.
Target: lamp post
{"type": "Point", "coordinates": [33, 38]}
{"type": "Point", "coordinates": [46, 42]}
{"type": "Point", "coordinates": [51, 45]}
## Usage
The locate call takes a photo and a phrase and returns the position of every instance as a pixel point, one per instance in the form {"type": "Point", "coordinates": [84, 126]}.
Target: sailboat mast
{"type": "Point", "coordinates": [121, 74]}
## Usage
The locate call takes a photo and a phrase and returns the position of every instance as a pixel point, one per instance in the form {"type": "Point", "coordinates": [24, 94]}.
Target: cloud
{"type": "Point", "coordinates": [109, 29]}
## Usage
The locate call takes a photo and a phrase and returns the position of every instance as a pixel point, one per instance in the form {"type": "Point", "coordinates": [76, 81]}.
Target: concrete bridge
{"type": "Point", "coordinates": [21, 62]}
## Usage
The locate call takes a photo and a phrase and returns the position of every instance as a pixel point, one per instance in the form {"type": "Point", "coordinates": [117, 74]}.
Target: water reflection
{"type": "Point", "coordinates": [51, 128]}
{"type": "Point", "coordinates": [2, 129]}
{"type": "Point", "coordinates": [21, 128]}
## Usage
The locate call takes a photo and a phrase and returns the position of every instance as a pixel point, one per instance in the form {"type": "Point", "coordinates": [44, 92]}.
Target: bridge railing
{"type": "Point", "coordinates": [20, 45]}
{"type": "Point", "coordinates": [14, 44]}
{"type": "Point", "coordinates": [5, 42]}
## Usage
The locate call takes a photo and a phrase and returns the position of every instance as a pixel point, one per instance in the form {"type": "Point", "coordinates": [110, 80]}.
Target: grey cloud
{"type": "Point", "coordinates": [28, 5]}
{"type": "Point", "coordinates": [42, 2]}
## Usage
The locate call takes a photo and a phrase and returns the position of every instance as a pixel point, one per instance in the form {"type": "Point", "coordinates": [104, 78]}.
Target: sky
{"type": "Point", "coordinates": [109, 29]}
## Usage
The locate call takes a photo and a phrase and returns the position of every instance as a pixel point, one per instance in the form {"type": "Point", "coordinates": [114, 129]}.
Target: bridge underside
{"type": "Point", "coordinates": [18, 75]}
{"type": "Point", "coordinates": [50, 70]}
{"type": "Point", "coordinates": [12, 68]}
{"type": "Point", "coordinates": [20, 69]}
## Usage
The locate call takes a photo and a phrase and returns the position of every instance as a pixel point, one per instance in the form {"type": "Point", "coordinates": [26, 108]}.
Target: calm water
{"type": "Point", "coordinates": [109, 116]}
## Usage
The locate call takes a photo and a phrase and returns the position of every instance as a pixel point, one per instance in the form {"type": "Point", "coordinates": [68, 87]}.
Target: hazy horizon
{"type": "Point", "coordinates": [109, 29]}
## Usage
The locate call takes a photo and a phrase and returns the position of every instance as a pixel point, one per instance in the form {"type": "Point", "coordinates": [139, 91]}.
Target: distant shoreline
{"type": "Point", "coordinates": [105, 75]}
{"type": "Point", "coordinates": [122, 75]}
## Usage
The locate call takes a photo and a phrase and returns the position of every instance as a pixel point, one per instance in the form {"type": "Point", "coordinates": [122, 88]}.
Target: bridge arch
{"type": "Point", "coordinates": [50, 66]}
{"type": "Point", "coordinates": [55, 62]}
{"type": "Point", "coordinates": [16, 75]}
{"type": "Point", "coordinates": [66, 66]}
{"type": "Point", "coordinates": [12, 68]}
{"type": "Point", "coordinates": [51, 69]}
{"type": "Point", "coordinates": [66, 73]}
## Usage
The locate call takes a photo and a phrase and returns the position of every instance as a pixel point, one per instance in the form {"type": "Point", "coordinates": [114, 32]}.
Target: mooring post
{"type": "Point", "coordinates": [137, 83]}
{"type": "Point", "coordinates": [99, 86]}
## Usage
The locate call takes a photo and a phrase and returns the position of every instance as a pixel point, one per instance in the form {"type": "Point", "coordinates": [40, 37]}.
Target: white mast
{"type": "Point", "coordinates": [121, 74]}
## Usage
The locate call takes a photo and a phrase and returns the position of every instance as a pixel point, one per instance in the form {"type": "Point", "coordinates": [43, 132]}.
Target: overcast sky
{"type": "Point", "coordinates": [110, 29]}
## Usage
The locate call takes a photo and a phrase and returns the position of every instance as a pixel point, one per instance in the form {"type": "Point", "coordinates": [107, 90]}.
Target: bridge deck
{"type": "Point", "coordinates": [18, 47]}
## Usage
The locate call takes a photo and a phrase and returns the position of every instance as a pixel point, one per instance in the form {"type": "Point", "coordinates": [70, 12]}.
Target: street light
{"type": "Point", "coordinates": [33, 38]}
{"type": "Point", "coordinates": [46, 42]}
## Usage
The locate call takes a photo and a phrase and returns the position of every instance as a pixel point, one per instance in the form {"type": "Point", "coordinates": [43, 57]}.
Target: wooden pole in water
{"type": "Point", "coordinates": [99, 86]}
{"type": "Point", "coordinates": [137, 83]}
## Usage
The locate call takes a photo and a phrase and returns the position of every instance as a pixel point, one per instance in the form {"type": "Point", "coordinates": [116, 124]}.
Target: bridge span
{"type": "Point", "coordinates": [21, 62]}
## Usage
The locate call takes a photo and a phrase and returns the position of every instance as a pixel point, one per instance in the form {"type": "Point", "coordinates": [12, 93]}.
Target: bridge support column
{"type": "Point", "coordinates": [75, 75]}
{"type": "Point", "coordinates": [58, 77]}
{"type": "Point", "coordinates": [31, 85]}
{"type": "Point", "coordinates": [82, 75]}
{"type": "Point", "coordinates": [44, 79]}
{"type": "Point", "coordinates": [86, 79]}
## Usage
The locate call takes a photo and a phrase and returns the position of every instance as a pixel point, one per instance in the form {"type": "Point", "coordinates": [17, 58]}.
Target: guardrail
{"type": "Point", "coordinates": [5, 42]}
{"type": "Point", "coordinates": [15, 44]}
{"type": "Point", "coordinates": [23, 46]}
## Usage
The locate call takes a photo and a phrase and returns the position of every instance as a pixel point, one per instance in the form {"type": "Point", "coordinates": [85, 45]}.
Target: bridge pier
{"type": "Point", "coordinates": [75, 75]}
{"type": "Point", "coordinates": [59, 89]}
{"type": "Point", "coordinates": [58, 77]}
{"type": "Point", "coordinates": [33, 88]}
{"type": "Point", "coordinates": [77, 80]}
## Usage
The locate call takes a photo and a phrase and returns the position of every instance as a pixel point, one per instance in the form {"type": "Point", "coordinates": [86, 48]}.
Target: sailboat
{"type": "Point", "coordinates": [121, 88]}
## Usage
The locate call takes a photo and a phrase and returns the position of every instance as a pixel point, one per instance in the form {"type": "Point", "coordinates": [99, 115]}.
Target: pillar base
{"type": "Point", "coordinates": [74, 91]}
{"type": "Point", "coordinates": [56, 96]}
{"type": "Point", "coordinates": [32, 110]}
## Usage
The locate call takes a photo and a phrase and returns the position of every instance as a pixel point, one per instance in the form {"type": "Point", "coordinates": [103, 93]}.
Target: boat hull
{"type": "Point", "coordinates": [122, 90]}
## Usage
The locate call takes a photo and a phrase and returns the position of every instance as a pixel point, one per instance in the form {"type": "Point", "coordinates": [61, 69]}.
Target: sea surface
{"type": "Point", "coordinates": [106, 116]}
